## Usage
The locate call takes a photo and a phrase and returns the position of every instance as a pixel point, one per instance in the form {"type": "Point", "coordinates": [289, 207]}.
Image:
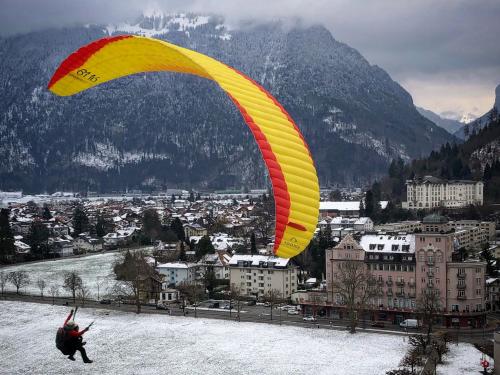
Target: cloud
{"type": "Point", "coordinates": [421, 42]}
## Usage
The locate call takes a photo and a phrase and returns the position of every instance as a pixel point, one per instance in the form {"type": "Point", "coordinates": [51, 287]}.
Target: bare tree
{"type": "Point", "coordinates": [353, 286]}
{"type": "Point", "coordinates": [419, 343]}
{"type": "Point", "coordinates": [132, 271]}
{"type": "Point", "coordinates": [41, 285]}
{"type": "Point", "coordinates": [4, 278]}
{"type": "Point", "coordinates": [263, 222]}
{"type": "Point", "coordinates": [235, 295]}
{"type": "Point", "coordinates": [412, 359]}
{"type": "Point", "coordinates": [83, 294]}
{"type": "Point", "coordinates": [192, 292]}
{"type": "Point", "coordinates": [72, 282]}
{"type": "Point", "coordinates": [19, 279]}
{"type": "Point", "coordinates": [54, 292]}
{"type": "Point", "coordinates": [273, 296]}
{"type": "Point", "coordinates": [428, 304]}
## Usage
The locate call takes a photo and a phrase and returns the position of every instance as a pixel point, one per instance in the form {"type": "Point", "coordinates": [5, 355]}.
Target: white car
{"type": "Point", "coordinates": [309, 318]}
{"type": "Point", "coordinates": [293, 312]}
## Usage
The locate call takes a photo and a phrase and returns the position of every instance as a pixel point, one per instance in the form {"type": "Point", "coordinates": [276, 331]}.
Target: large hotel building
{"type": "Point", "coordinates": [404, 266]}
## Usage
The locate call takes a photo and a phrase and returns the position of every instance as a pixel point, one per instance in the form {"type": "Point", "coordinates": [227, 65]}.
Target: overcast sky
{"type": "Point", "coordinates": [446, 53]}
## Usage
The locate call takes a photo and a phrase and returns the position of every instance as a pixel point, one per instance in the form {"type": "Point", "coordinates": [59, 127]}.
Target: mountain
{"type": "Point", "coordinates": [451, 126]}
{"type": "Point", "coordinates": [480, 122]}
{"type": "Point", "coordinates": [158, 130]}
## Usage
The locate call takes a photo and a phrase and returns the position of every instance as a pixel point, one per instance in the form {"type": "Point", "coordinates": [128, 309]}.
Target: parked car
{"type": "Point", "coordinates": [251, 303]}
{"type": "Point", "coordinates": [378, 324]}
{"type": "Point", "coordinates": [105, 302]}
{"type": "Point", "coordinates": [161, 306]}
{"type": "Point", "coordinates": [267, 304]}
{"type": "Point", "coordinates": [409, 323]}
{"type": "Point", "coordinates": [309, 318]}
{"type": "Point", "coordinates": [293, 312]}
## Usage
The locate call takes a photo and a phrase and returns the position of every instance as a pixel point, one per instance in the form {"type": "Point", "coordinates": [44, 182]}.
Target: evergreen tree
{"type": "Point", "coordinates": [253, 244]}
{"type": "Point", "coordinates": [80, 221]}
{"type": "Point", "coordinates": [191, 196]}
{"type": "Point", "coordinates": [151, 225]}
{"type": "Point", "coordinates": [182, 253]}
{"type": "Point", "coordinates": [7, 247]}
{"type": "Point", "coordinates": [46, 215]}
{"type": "Point", "coordinates": [369, 204]}
{"type": "Point", "coordinates": [100, 227]}
{"type": "Point", "coordinates": [38, 238]}
{"type": "Point", "coordinates": [204, 247]}
{"type": "Point", "coordinates": [177, 227]}
{"type": "Point", "coordinates": [172, 199]}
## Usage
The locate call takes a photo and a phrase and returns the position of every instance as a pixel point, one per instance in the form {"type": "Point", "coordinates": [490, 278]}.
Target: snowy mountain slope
{"type": "Point", "coordinates": [482, 121]}
{"type": "Point", "coordinates": [153, 131]}
{"type": "Point", "coordinates": [451, 126]}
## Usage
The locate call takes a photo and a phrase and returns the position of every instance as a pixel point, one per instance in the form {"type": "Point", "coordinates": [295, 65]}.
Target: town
{"type": "Point", "coordinates": [220, 243]}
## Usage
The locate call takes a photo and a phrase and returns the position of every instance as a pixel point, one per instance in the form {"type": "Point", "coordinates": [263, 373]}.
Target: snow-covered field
{"type": "Point", "coordinates": [126, 343]}
{"type": "Point", "coordinates": [93, 269]}
{"type": "Point", "coordinates": [462, 359]}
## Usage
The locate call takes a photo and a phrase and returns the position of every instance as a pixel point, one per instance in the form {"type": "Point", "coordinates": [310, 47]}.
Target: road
{"type": "Point", "coordinates": [256, 314]}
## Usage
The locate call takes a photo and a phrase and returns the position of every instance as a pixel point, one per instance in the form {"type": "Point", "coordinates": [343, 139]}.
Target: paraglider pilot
{"type": "Point", "coordinates": [69, 339]}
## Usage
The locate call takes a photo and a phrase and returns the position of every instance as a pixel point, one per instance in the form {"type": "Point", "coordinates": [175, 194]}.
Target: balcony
{"type": "Point", "coordinates": [430, 273]}
{"type": "Point", "coordinates": [380, 282]}
{"type": "Point", "coordinates": [461, 275]}
{"type": "Point", "coordinates": [389, 293]}
{"type": "Point", "coordinates": [411, 284]}
{"type": "Point", "coordinates": [389, 282]}
{"type": "Point", "coordinates": [430, 262]}
{"type": "Point", "coordinates": [400, 283]}
{"type": "Point", "coordinates": [461, 287]}
{"type": "Point", "coordinates": [461, 297]}
{"type": "Point", "coordinates": [400, 294]}
{"type": "Point", "coordinates": [430, 285]}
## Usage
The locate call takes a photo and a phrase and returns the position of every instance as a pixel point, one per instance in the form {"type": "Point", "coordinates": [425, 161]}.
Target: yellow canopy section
{"type": "Point", "coordinates": [287, 157]}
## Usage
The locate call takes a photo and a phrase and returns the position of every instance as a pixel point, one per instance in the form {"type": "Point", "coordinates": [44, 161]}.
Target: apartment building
{"type": "Point", "coordinates": [429, 192]}
{"type": "Point", "coordinates": [256, 275]}
{"type": "Point", "coordinates": [178, 272]}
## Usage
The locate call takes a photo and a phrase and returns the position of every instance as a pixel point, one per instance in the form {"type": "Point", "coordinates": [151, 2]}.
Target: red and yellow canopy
{"type": "Point", "coordinates": [287, 157]}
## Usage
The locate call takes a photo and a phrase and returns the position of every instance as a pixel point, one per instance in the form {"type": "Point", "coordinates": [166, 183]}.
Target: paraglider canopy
{"type": "Point", "coordinates": [285, 152]}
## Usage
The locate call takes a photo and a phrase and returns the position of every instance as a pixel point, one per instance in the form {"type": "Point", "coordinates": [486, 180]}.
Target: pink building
{"type": "Point", "coordinates": [403, 267]}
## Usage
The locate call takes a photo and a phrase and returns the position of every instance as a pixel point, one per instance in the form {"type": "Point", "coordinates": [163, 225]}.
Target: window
{"type": "Point", "coordinates": [461, 293]}
{"type": "Point", "coordinates": [478, 292]}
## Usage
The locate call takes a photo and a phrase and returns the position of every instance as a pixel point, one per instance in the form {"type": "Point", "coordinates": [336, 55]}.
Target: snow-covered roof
{"type": "Point", "coordinates": [257, 260]}
{"type": "Point", "coordinates": [491, 280]}
{"type": "Point", "coordinates": [177, 265]}
{"type": "Point", "coordinates": [345, 206]}
{"type": "Point", "coordinates": [404, 243]}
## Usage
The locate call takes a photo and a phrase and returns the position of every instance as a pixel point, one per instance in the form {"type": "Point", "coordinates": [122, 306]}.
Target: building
{"type": "Point", "coordinates": [168, 295]}
{"type": "Point", "coordinates": [358, 224]}
{"type": "Point", "coordinates": [338, 208]}
{"type": "Point", "coordinates": [256, 275]}
{"type": "Point", "coordinates": [218, 263]}
{"type": "Point", "coordinates": [429, 192]}
{"type": "Point", "coordinates": [194, 230]}
{"type": "Point", "coordinates": [178, 272]}
{"type": "Point", "coordinates": [403, 267]}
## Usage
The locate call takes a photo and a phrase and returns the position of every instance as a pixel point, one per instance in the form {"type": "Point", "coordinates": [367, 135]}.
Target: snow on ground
{"type": "Point", "coordinates": [93, 269]}
{"type": "Point", "coordinates": [462, 359]}
{"type": "Point", "coordinates": [126, 343]}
